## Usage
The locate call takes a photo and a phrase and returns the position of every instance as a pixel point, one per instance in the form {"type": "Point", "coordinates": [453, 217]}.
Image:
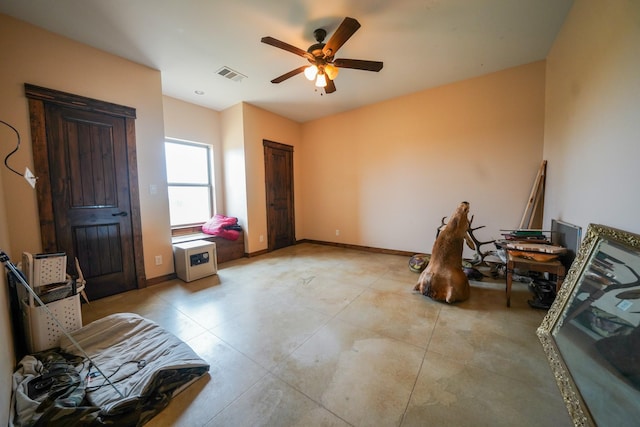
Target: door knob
{"type": "Point", "coordinates": [119, 214]}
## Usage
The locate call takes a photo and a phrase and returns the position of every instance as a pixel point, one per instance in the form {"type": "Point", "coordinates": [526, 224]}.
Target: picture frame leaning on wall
{"type": "Point", "coordinates": [591, 333]}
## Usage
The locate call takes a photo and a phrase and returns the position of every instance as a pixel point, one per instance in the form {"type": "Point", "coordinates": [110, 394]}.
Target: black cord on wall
{"type": "Point", "coordinates": [6, 159]}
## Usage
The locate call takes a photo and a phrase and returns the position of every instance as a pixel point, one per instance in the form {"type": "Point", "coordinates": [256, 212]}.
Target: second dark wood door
{"type": "Point", "coordinates": [278, 159]}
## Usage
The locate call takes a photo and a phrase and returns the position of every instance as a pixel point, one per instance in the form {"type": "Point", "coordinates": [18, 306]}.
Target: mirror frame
{"type": "Point", "coordinates": [557, 314]}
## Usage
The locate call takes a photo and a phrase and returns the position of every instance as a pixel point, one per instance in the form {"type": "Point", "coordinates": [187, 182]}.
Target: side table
{"type": "Point", "coordinates": [551, 267]}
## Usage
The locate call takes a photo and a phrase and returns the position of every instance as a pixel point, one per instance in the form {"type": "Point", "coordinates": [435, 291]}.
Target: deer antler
{"type": "Point", "coordinates": [468, 238]}
{"type": "Point", "coordinates": [479, 257]}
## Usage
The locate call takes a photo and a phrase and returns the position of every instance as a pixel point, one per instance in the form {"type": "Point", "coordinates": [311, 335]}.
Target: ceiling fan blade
{"type": "Point", "coordinates": [289, 74]}
{"type": "Point", "coordinates": [282, 45]}
{"type": "Point", "coordinates": [358, 64]}
{"type": "Point", "coordinates": [342, 34]}
{"type": "Point", "coordinates": [330, 87]}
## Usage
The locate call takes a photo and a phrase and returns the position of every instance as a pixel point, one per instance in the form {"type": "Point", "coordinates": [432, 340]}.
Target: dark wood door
{"type": "Point", "coordinates": [88, 164]}
{"type": "Point", "coordinates": [88, 207]}
{"type": "Point", "coordinates": [278, 159]}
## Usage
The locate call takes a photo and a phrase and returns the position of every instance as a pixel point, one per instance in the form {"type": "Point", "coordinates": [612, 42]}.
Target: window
{"type": "Point", "coordinates": [190, 182]}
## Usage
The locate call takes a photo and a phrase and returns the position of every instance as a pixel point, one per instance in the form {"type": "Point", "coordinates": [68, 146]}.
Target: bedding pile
{"type": "Point", "coordinates": [147, 365]}
{"type": "Point", "coordinates": [223, 226]}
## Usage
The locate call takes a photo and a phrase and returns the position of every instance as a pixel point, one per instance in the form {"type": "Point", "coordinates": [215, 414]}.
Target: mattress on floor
{"type": "Point", "coordinates": [147, 365]}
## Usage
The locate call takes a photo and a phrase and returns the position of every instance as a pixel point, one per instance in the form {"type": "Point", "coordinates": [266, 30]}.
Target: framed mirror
{"type": "Point", "coordinates": [591, 334]}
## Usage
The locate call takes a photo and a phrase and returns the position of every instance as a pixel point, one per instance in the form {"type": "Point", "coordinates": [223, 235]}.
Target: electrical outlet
{"type": "Point", "coordinates": [337, 232]}
{"type": "Point", "coordinates": [158, 259]}
{"type": "Point", "coordinates": [261, 238]}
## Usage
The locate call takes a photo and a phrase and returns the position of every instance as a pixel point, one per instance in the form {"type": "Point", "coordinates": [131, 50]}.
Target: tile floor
{"type": "Point", "coordinates": [315, 335]}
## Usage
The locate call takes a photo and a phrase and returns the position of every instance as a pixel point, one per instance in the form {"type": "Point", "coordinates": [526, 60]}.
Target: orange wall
{"type": "Point", "coordinates": [592, 123]}
{"type": "Point", "coordinates": [383, 175]}
{"type": "Point", "coordinates": [386, 174]}
{"type": "Point", "coordinates": [244, 127]}
{"type": "Point", "coordinates": [234, 164]}
{"type": "Point", "coordinates": [32, 55]}
{"type": "Point", "coordinates": [259, 125]}
{"type": "Point", "coordinates": [7, 353]}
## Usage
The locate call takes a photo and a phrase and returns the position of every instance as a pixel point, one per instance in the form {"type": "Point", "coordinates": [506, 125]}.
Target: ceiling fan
{"type": "Point", "coordinates": [324, 68]}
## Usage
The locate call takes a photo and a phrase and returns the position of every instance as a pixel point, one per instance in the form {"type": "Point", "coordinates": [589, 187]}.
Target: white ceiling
{"type": "Point", "coordinates": [423, 44]}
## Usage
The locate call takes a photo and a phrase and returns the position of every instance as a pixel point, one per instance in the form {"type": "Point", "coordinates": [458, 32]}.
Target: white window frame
{"type": "Point", "coordinates": [210, 184]}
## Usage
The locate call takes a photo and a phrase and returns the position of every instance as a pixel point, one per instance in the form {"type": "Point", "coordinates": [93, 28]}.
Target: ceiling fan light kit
{"type": "Point", "coordinates": [321, 81]}
{"type": "Point", "coordinates": [331, 71]}
{"type": "Point", "coordinates": [311, 72]}
{"type": "Point", "coordinates": [324, 68]}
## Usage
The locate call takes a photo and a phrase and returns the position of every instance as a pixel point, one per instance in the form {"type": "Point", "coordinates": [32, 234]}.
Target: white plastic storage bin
{"type": "Point", "coordinates": [42, 331]}
{"type": "Point", "coordinates": [195, 259]}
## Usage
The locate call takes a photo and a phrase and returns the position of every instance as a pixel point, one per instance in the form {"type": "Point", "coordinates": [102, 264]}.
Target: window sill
{"type": "Point", "coordinates": [189, 237]}
{"type": "Point", "coordinates": [181, 231]}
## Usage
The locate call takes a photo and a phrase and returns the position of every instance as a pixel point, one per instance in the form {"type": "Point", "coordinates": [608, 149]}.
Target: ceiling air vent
{"type": "Point", "coordinates": [230, 74]}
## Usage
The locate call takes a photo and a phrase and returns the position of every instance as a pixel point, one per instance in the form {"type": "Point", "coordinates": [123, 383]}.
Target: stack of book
{"type": "Point", "coordinates": [532, 236]}
{"type": "Point", "coordinates": [530, 244]}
